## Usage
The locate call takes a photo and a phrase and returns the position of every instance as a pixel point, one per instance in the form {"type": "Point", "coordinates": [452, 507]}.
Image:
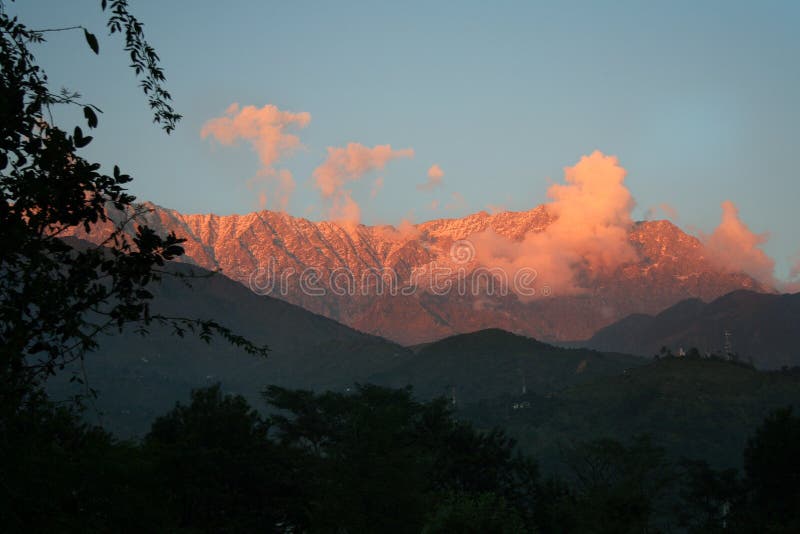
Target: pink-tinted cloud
{"type": "Point", "coordinates": [377, 185]}
{"type": "Point", "coordinates": [404, 231]}
{"type": "Point", "coordinates": [792, 285]}
{"type": "Point", "coordinates": [457, 202]}
{"type": "Point", "coordinates": [494, 209]}
{"type": "Point", "coordinates": [268, 131]}
{"type": "Point", "coordinates": [794, 271]}
{"type": "Point", "coordinates": [280, 184]}
{"type": "Point", "coordinates": [669, 210]}
{"type": "Point", "coordinates": [664, 209]}
{"type": "Point", "coordinates": [589, 235]}
{"type": "Point", "coordinates": [435, 175]}
{"type": "Point", "coordinates": [349, 164]}
{"type": "Point", "coordinates": [344, 209]}
{"type": "Point", "coordinates": [284, 189]}
{"type": "Point", "coordinates": [736, 248]}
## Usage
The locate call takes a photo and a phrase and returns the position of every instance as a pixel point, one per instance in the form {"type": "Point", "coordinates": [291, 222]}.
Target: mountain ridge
{"type": "Point", "coordinates": [762, 327]}
{"type": "Point", "coordinates": [266, 247]}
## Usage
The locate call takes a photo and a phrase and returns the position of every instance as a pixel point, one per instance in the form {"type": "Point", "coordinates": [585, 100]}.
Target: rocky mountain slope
{"type": "Point", "coordinates": [380, 279]}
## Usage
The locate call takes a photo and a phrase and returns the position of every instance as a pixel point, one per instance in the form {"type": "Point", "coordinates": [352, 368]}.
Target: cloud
{"type": "Point", "coordinates": [435, 175]}
{"type": "Point", "coordinates": [794, 271]}
{"type": "Point", "coordinates": [404, 231]}
{"type": "Point", "coordinates": [665, 209]}
{"type": "Point", "coordinates": [264, 128]}
{"type": "Point", "coordinates": [589, 235]}
{"type": "Point", "coordinates": [268, 131]}
{"type": "Point", "coordinates": [792, 285]}
{"type": "Point", "coordinates": [494, 209]}
{"type": "Point", "coordinates": [377, 185]}
{"type": "Point", "coordinates": [344, 208]}
{"type": "Point", "coordinates": [349, 164]}
{"type": "Point", "coordinates": [732, 246]}
{"type": "Point", "coordinates": [282, 185]}
{"type": "Point", "coordinates": [457, 202]}
{"type": "Point", "coordinates": [284, 189]}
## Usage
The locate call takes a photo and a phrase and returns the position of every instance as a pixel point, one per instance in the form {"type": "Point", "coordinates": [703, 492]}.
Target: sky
{"type": "Point", "coordinates": [395, 111]}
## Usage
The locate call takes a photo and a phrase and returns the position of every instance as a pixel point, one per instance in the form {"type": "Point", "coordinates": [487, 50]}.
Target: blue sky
{"type": "Point", "coordinates": [699, 100]}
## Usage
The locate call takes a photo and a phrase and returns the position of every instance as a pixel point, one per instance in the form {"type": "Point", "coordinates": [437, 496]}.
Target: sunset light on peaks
{"type": "Point", "coordinates": [499, 100]}
{"type": "Point", "coordinates": [389, 267]}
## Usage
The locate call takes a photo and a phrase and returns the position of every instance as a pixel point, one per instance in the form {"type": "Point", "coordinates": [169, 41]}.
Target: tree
{"type": "Point", "coordinates": [220, 470]}
{"type": "Point", "coordinates": [772, 473]}
{"type": "Point", "coordinates": [57, 295]}
{"type": "Point", "coordinates": [617, 487]}
{"type": "Point", "coordinates": [474, 513]}
{"type": "Point", "coordinates": [378, 460]}
{"type": "Point", "coordinates": [707, 497]}
{"type": "Point", "coordinates": [367, 462]}
{"type": "Point", "coordinates": [58, 474]}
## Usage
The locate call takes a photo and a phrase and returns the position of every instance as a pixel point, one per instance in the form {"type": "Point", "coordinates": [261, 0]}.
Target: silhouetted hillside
{"type": "Point", "coordinates": [493, 362]}
{"type": "Point", "coordinates": [763, 328]}
{"type": "Point", "coordinates": [140, 377]}
{"type": "Point", "coordinates": [695, 408]}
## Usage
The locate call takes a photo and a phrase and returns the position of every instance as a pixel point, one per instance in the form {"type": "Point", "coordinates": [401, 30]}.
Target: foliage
{"type": "Point", "coordinates": [221, 472]}
{"type": "Point", "coordinates": [384, 458]}
{"type": "Point", "coordinates": [706, 497]}
{"type": "Point", "coordinates": [474, 513]}
{"type": "Point", "coordinates": [370, 461]}
{"type": "Point", "coordinates": [617, 487]}
{"type": "Point", "coordinates": [57, 295]}
{"type": "Point", "coordinates": [694, 408]}
{"type": "Point", "coordinates": [144, 61]}
{"type": "Point", "coordinates": [772, 473]}
{"type": "Point", "coordinates": [59, 475]}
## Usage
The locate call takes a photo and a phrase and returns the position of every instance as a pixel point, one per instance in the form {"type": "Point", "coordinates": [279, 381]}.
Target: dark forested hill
{"type": "Point", "coordinates": [489, 363]}
{"type": "Point", "coordinates": [695, 408]}
{"type": "Point", "coordinates": [762, 326]}
{"type": "Point", "coordinates": [139, 377]}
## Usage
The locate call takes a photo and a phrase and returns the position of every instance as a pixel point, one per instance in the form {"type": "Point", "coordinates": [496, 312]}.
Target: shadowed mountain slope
{"type": "Point", "coordinates": [140, 377]}
{"type": "Point", "coordinates": [493, 362]}
{"type": "Point", "coordinates": [763, 327]}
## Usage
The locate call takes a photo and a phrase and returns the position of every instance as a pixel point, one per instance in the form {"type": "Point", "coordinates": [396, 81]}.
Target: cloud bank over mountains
{"type": "Point", "coordinates": [591, 209]}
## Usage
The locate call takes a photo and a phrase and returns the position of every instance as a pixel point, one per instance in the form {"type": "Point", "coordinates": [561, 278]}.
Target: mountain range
{"type": "Point", "coordinates": [367, 277]}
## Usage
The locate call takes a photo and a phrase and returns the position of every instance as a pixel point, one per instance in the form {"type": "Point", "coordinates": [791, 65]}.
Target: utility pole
{"type": "Point", "coordinates": [728, 348]}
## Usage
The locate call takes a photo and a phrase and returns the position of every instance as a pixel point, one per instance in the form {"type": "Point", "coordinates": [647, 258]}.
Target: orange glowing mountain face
{"type": "Point", "coordinates": [422, 282]}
